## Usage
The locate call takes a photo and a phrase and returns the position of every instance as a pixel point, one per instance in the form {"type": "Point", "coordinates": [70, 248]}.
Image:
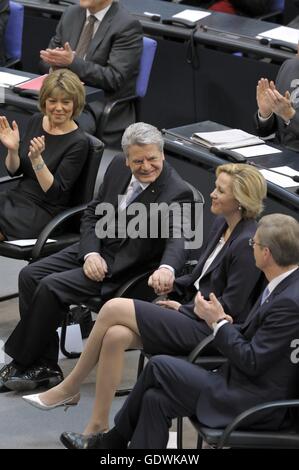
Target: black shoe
{"type": "Point", "coordinates": [35, 377]}
{"type": "Point", "coordinates": [5, 373]}
{"type": "Point", "coordinates": [73, 440]}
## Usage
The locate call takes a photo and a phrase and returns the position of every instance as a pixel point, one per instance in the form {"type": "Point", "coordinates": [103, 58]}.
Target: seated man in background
{"type": "Point", "coordinates": [4, 13]}
{"type": "Point", "coordinates": [103, 259]}
{"type": "Point", "coordinates": [259, 367]}
{"type": "Point", "coordinates": [102, 44]}
{"type": "Point", "coordinates": [278, 105]}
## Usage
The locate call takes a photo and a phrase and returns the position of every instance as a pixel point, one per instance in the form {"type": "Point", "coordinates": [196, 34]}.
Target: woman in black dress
{"type": "Point", "coordinates": [226, 267]}
{"type": "Point", "coordinates": [50, 156]}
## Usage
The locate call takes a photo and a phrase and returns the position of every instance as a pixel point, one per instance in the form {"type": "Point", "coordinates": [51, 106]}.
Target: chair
{"type": "Point", "coordinates": [14, 34]}
{"type": "Point", "coordinates": [231, 436]}
{"type": "Point", "coordinates": [67, 221]}
{"type": "Point", "coordinates": [146, 62]}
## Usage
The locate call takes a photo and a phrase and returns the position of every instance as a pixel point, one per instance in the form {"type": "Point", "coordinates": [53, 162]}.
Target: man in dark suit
{"type": "Point", "coordinates": [278, 105]}
{"type": "Point", "coordinates": [104, 258]}
{"type": "Point", "coordinates": [4, 12]}
{"type": "Point", "coordinates": [259, 367]}
{"type": "Point", "coordinates": [105, 54]}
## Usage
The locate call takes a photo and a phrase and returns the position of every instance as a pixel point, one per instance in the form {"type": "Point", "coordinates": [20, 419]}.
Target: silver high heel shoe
{"type": "Point", "coordinates": [35, 401]}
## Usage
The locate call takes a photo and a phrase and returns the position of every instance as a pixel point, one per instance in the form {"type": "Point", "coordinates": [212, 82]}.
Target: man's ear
{"type": "Point", "coordinates": [127, 161]}
{"type": "Point", "coordinates": [163, 156]}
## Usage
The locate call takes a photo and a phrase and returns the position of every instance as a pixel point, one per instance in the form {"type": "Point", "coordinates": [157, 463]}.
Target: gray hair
{"type": "Point", "coordinates": [141, 133]}
{"type": "Point", "coordinates": [280, 233]}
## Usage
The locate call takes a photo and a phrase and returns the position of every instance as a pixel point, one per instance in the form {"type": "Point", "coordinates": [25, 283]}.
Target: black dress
{"type": "Point", "coordinates": [26, 209]}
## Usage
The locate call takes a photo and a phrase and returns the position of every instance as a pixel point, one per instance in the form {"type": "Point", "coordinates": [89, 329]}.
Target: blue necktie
{"type": "Point", "coordinates": [266, 294]}
{"type": "Point", "coordinates": [136, 189]}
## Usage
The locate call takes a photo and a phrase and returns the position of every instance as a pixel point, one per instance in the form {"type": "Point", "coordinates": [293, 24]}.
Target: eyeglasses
{"type": "Point", "coordinates": [252, 242]}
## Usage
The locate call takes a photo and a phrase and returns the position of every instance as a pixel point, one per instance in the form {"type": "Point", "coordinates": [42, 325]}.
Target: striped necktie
{"type": "Point", "coordinates": [86, 37]}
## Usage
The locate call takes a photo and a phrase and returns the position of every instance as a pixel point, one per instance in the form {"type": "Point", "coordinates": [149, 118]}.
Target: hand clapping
{"type": "Point", "coordinates": [36, 147]}
{"type": "Point", "coordinates": [9, 136]}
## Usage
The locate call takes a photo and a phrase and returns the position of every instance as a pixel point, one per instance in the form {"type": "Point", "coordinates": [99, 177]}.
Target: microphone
{"type": "Point", "coordinates": [263, 41]}
{"type": "Point", "coordinates": [230, 155]}
{"type": "Point", "coordinates": [294, 177]}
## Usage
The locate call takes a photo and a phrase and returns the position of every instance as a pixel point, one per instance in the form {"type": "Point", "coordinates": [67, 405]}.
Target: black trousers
{"type": "Point", "coordinates": [46, 289]}
{"type": "Point", "coordinates": [167, 388]}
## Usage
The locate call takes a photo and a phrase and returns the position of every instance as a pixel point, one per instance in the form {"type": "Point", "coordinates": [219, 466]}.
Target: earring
{"type": "Point", "coordinates": [239, 208]}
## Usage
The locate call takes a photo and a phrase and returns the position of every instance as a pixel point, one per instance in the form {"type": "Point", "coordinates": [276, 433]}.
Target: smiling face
{"type": "Point", "coordinates": [145, 162]}
{"type": "Point", "coordinates": [59, 109]}
{"type": "Point", "coordinates": [223, 201]}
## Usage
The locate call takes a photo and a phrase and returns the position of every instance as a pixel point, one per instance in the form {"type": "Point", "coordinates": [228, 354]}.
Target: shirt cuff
{"type": "Point", "coordinates": [91, 253]}
{"type": "Point", "coordinates": [218, 326]}
{"type": "Point", "coordinates": [168, 267]}
{"type": "Point", "coordinates": [264, 119]}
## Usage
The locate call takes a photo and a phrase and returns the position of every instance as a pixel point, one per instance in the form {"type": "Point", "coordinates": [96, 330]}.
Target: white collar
{"type": "Point", "coordinates": [277, 280]}
{"type": "Point", "coordinates": [143, 185]}
{"type": "Point", "coordinates": [100, 14]}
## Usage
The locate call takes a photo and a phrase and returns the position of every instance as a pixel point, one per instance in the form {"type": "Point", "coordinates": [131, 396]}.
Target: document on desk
{"type": "Point", "coordinates": [10, 79]}
{"type": "Point", "coordinates": [257, 150]}
{"type": "Point", "coordinates": [282, 33]}
{"type": "Point", "coordinates": [282, 181]}
{"type": "Point", "coordinates": [27, 242]}
{"type": "Point", "coordinates": [191, 15]}
{"type": "Point", "coordinates": [227, 139]}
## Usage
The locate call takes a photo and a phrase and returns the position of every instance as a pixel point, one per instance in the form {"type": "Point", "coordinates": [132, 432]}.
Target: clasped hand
{"type": "Point", "coordinates": [95, 267]}
{"type": "Point", "coordinates": [269, 100]}
{"type": "Point", "coordinates": [58, 57]}
{"type": "Point", "coordinates": [9, 136]}
{"type": "Point", "coordinates": [162, 281]}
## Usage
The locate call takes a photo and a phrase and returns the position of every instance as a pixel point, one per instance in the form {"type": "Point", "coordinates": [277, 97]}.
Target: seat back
{"type": "Point", "coordinates": [83, 190]}
{"type": "Point", "coordinates": [14, 32]}
{"type": "Point", "coordinates": [146, 62]}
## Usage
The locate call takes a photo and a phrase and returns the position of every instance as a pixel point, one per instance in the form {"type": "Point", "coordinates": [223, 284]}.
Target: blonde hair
{"type": "Point", "coordinates": [249, 187]}
{"type": "Point", "coordinates": [63, 81]}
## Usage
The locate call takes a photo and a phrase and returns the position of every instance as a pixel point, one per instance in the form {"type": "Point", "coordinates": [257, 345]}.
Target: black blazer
{"type": "Point", "coordinates": [112, 60]}
{"type": "Point", "coordinates": [233, 276]}
{"type": "Point", "coordinates": [135, 255]}
{"type": "Point", "coordinates": [259, 367]}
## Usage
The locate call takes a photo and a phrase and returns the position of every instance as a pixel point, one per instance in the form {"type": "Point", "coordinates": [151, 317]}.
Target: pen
{"type": "Point", "coordinates": [152, 16]}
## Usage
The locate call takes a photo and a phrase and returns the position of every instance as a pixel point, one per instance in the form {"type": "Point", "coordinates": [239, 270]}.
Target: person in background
{"type": "Point", "coordinates": [4, 13]}
{"type": "Point", "coordinates": [102, 43]}
{"type": "Point", "coordinates": [259, 367]}
{"type": "Point", "coordinates": [278, 105]}
{"type": "Point", "coordinates": [250, 8]}
{"type": "Point", "coordinates": [50, 157]}
{"type": "Point", "coordinates": [226, 266]}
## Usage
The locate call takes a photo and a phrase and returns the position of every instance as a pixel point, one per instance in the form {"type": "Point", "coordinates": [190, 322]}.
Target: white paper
{"type": "Point", "coordinates": [256, 150]}
{"type": "Point", "coordinates": [191, 15]}
{"type": "Point", "coordinates": [27, 242]}
{"type": "Point", "coordinates": [73, 339]}
{"type": "Point", "coordinates": [282, 33]}
{"type": "Point", "coordinates": [230, 138]}
{"type": "Point", "coordinates": [11, 79]}
{"type": "Point", "coordinates": [280, 180]}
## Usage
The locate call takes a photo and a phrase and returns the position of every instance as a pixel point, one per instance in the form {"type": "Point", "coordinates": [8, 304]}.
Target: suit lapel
{"type": "Point", "coordinates": [77, 29]}
{"type": "Point", "coordinates": [258, 312]}
{"type": "Point", "coordinates": [102, 29]}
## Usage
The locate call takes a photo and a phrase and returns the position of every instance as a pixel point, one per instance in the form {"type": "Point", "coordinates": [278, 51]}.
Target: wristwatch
{"type": "Point", "coordinates": [215, 323]}
{"type": "Point", "coordinates": [39, 166]}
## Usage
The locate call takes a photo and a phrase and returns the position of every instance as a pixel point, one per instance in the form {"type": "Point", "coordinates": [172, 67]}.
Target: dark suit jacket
{"type": "Point", "coordinates": [232, 276]}
{"type": "Point", "coordinates": [135, 255]}
{"type": "Point", "coordinates": [286, 135]}
{"type": "Point", "coordinates": [112, 60]}
{"type": "Point", "coordinates": [259, 367]}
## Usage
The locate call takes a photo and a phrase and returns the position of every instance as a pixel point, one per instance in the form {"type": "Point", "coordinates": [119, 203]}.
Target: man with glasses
{"type": "Point", "coordinates": [259, 367]}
